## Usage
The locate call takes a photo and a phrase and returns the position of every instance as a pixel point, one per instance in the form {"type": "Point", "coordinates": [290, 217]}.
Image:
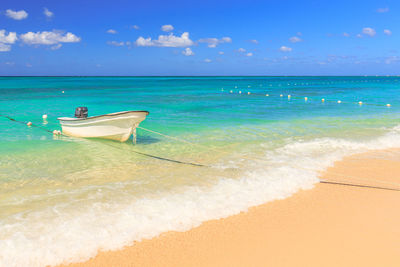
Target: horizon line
{"type": "Point", "coordinates": [156, 76]}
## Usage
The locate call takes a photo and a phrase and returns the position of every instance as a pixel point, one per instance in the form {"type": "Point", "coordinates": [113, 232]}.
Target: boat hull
{"type": "Point", "coordinates": [116, 126]}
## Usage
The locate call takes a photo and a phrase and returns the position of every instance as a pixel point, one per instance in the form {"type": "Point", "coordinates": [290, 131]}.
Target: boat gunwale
{"type": "Point", "coordinates": [105, 115]}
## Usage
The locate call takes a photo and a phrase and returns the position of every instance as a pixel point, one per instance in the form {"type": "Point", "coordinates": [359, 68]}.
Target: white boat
{"type": "Point", "coordinates": [116, 126]}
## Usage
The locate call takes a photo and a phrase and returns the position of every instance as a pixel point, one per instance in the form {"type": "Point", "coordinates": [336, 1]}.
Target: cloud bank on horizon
{"type": "Point", "coordinates": [249, 43]}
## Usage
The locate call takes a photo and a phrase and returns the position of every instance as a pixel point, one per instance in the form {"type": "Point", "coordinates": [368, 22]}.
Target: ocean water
{"type": "Point", "coordinates": [63, 199]}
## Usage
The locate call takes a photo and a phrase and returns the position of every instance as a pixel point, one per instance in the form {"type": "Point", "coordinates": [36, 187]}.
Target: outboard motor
{"type": "Point", "coordinates": [81, 112]}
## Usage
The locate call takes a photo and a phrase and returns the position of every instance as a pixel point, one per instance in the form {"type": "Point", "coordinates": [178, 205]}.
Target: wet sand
{"type": "Point", "coordinates": [330, 225]}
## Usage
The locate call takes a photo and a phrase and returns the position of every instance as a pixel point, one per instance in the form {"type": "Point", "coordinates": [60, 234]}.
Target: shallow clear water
{"type": "Point", "coordinates": [88, 194]}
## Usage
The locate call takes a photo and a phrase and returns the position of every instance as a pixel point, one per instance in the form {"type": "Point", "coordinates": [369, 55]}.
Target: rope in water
{"type": "Point", "coordinates": [22, 122]}
{"type": "Point", "coordinates": [134, 151]}
{"type": "Point", "coordinates": [208, 148]}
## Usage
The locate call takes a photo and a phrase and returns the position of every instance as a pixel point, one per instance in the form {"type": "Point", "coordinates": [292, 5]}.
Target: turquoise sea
{"type": "Point", "coordinates": [63, 199]}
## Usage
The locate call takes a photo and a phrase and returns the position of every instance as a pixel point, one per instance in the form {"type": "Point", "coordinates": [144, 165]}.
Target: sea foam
{"type": "Point", "coordinates": [70, 233]}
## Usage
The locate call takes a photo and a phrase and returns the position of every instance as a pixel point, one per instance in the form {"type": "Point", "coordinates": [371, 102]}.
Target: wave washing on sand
{"type": "Point", "coordinates": [63, 234]}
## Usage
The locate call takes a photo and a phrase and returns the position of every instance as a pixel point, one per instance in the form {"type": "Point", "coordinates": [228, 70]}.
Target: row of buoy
{"type": "Point", "coordinates": [321, 83]}
{"type": "Point", "coordinates": [306, 98]}
{"type": "Point", "coordinates": [44, 117]}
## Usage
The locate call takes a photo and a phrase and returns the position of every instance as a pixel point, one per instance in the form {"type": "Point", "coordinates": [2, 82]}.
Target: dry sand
{"type": "Point", "coordinates": [330, 225]}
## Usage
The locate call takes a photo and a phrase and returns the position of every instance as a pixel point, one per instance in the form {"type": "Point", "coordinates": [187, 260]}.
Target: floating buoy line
{"type": "Point", "coordinates": [323, 100]}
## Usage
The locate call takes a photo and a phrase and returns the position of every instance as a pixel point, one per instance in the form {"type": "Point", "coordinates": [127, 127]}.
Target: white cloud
{"type": "Point", "coordinates": [9, 38]}
{"type": "Point", "coordinates": [285, 49]}
{"type": "Point", "coordinates": [226, 40]}
{"type": "Point", "coordinates": [392, 59]}
{"type": "Point", "coordinates": [49, 38]}
{"type": "Point", "coordinates": [167, 28]}
{"type": "Point", "coordinates": [56, 47]}
{"type": "Point", "coordinates": [359, 35]}
{"type": "Point", "coordinates": [241, 50]}
{"type": "Point", "coordinates": [17, 15]}
{"type": "Point", "coordinates": [254, 41]}
{"type": "Point", "coordinates": [221, 52]}
{"type": "Point", "coordinates": [249, 54]}
{"type": "Point", "coordinates": [382, 10]}
{"type": "Point", "coordinates": [115, 43]}
{"type": "Point", "coordinates": [387, 32]}
{"type": "Point", "coordinates": [207, 60]}
{"type": "Point", "coordinates": [369, 31]}
{"type": "Point", "coordinates": [345, 34]}
{"type": "Point", "coordinates": [5, 47]}
{"type": "Point", "coordinates": [188, 52]}
{"type": "Point", "coordinates": [295, 39]}
{"type": "Point", "coordinates": [9, 63]}
{"type": "Point", "coordinates": [111, 31]}
{"type": "Point", "coordinates": [213, 42]}
{"type": "Point", "coordinates": [299, 33]}
{"type": "Point", "coordinates": [48, 13]}
{"type": "Point", "coordinates": [6, 40]}
{"type": "Point", "coordinates": [166, 41]}
{"type": "Point", "coordinates": [136, 27]}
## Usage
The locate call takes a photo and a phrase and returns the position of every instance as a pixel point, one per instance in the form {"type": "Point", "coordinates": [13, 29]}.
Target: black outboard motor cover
{"type": "Point", "coordinates": [81, 112]}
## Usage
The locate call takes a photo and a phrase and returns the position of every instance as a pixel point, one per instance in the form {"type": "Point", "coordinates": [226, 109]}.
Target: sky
{"type": "Point", "coordinates": [253, 37]}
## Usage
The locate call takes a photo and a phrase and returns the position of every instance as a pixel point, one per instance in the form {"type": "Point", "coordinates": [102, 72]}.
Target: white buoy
{"type": "Point", "coordinates": [240, 92]}
{"type": "Point", "coordinates": [29, 123]}
{"type": "Point", "coordinates": [388, 105]}
{"type": "Point", "coordinates": [280, 95]}
{"type": "Point", "coordinates": [339, 101]}
{"type": "Point", "coordinates": [266, 94]}
{"type": "Point", "coordinates": [289, 96]}
{"type": "Point", "coordinates": [323, 99]}
{"type": "Point", "coordinates": [248, 93]}
{"type": "Point", "coordinates": [360, 103]}
{"type": "Point", "coordinates": [62, 92]}
{"type": "Point", "coordinates": [231, 91]}
{"type": "Point", "coordinates": [44, 116]}
{"type": "Point", "coordinates": [306, 98]}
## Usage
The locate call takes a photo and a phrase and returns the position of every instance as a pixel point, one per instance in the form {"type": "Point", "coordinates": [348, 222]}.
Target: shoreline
{"type": "Point", "coordinates": [330, 225]}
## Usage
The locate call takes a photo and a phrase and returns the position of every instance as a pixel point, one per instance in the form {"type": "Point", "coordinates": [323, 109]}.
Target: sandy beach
{"type": "Point", "coordinates": [330, 225]}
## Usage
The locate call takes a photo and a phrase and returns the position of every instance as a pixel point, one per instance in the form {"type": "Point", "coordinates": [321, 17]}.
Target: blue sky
{"type": "Point", "coordinates": [123, 37]}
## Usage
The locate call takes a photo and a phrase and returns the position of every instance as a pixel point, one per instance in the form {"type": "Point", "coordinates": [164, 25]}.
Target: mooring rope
{"type": "Point", "coordinates": [160, 158]}
{"type": "Point", "coordinates": [134, 151]}
{"type": "Point", "coordinates": [22, 122]}
{"type": "Point", "coordinates": [208, 148]}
